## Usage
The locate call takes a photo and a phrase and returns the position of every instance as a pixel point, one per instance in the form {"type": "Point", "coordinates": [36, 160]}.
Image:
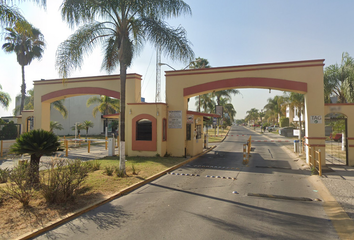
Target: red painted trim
{"type": "Point", "coordinates": [265, 66]}
{"type": "Point", "coordinates": [203, 114]}
{"type": "Point", "coordinates": [338, 104]}
{"type": "Point", "coordinates": [272, 83]}
{"type": "Point", "coordinates": [139, 145]}
{"type": "Point", "coordinates": [80, 91]}
{"type": "Point", "coordinates": [87, 79]}
{"type": "Point", "coordinates": [145, 103]}
{"type": "Point", "coordinates": [314, 138]}
{"type": "Point", "coordinates": [350, 138]}
{"type": "Point", "coordinates": [351, 146]}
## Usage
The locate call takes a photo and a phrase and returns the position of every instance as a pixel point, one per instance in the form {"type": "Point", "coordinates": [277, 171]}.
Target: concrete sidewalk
{"type": "Point", "coordinates": [339, 179]}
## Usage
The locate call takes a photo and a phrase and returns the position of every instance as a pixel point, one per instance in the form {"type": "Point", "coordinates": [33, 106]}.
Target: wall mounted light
{"type": "Point", "coordinates": [157, 113]}
{"type": "Point", "coordinates": [130, 111]}
{"type": "Point", "coordinates": [270, 90]}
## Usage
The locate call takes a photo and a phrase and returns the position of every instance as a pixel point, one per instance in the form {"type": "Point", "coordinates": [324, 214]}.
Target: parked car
{"type": "Point", "coordinates": [337, 137]}
{"type": "Point", "coordinates": [271, 128]}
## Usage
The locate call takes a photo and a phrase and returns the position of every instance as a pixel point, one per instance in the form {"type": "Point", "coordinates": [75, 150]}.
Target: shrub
{"type": "Point", "coordinates": [284, 122]}
{"type": "Point", "coordinates": [134, 170]}
{"type": "Point", "coordinates": [17, 186]}
{"type": "Point", "coordinates": [62, 181]}
{"type": "Point", "coordinates": [96, 165]}
{"type": "Point", "coordinates": [4, 175]}
{"type": "Point", "coordinates": [109, 170]}
{"type": "Point", "coordinates": [120, 172]}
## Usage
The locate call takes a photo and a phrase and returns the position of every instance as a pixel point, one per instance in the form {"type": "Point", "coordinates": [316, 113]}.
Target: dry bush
{"type": "Point", "coordinates": [61, 182]}
{"type": "Point", "coordinates": [17, 186]}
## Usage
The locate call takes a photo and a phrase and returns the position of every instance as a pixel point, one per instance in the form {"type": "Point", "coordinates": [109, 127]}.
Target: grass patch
{"type": "Point", "coordinates": [98, 185]}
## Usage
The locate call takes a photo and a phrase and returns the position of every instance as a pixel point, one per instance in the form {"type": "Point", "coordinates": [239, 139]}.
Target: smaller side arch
{"type": "Point", "coordinates": [144, 145]}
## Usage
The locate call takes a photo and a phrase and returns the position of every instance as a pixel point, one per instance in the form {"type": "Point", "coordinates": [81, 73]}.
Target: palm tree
{"type": "Point", "coordinates": [5, 98]}
{"type": "Point", "coordinates": [252, 115]}
{"type": "Point", "coordinates": [275, 105]}
{"type": "Point", "coordinates": [339, 80]}
{"type": "Point", "coordinates": [86, 125]}
{"type": "Point", "coordinates": [125, 26]}
{"type": "Point", "coordinates": [55, 126]}
{"type": "Point", "coordinates": [198, 64]}
{"type": "Point", "coordinates": [37, 143]}
{"type": "Point", "coordinates": [206, 102]}
{"type": "Point", "coordinates": [28, 44]}
{"type": "Point", "coordinates": [9, 14]}
{"type": "Point", "coordinates": [297, 100]}
{"type": "Point", "coordinates": [106, 105]}
{"type": "Point", "coordinates": [78, 127]}
{"type": "Point", "coordinates": [225, 94]}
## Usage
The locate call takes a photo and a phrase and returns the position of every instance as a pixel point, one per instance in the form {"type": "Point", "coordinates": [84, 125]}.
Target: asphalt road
{"type": "Point", "coordinates": [215, 207]}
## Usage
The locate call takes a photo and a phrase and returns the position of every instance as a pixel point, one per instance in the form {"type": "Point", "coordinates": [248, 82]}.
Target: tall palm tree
{"type": "Point", "coordinates": [198, 64]}
{"type": "Point", "coordinates": [252, 114]}
{"type": "Point", "coordinates": [339, 80]}
{"type": "Point", "coordinates": [5, 98]}
{"type": "Point", "coordinates": [206, 102]}
{"type": "Point", "coordinates": [28, 44]}
{"type": "Point", "coordinates": [122, 29]}
{"type": "Point", "coordinates": [275, 105]}
{"type": "Point", "coordinates": [225, 94]}
{"type": "Point", "coordinates": [10, 14]}
{"type": "Point", "coordinates": [297, 100]}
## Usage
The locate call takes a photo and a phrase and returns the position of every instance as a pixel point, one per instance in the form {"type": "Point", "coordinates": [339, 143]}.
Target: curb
{"type": "Point", "coordinates": [125, 191]}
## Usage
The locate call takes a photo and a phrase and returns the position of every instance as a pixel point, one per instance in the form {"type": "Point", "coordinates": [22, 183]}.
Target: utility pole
{"type": "Point", "coordinates": [158, 75]}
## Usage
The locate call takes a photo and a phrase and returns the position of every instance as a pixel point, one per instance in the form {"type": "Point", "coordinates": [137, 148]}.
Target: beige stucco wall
{"type": "Point", "coordinates": [303, 77]}
{"type": "Point", "coordinates": [156, 110]}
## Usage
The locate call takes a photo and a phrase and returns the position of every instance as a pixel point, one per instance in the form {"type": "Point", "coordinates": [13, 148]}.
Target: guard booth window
{"type": "Point", "coordinates": [189, 128]}
{"type": "Point", "coordinates": [199, 131]}
{"type": "Point", "coordinates": [144, 130]}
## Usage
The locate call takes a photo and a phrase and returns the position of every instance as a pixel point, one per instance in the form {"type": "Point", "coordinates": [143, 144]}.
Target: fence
{"type": "Point", "coordinates": [5, 146]}
{"type": "Point", "coordinates": [80, 142]}
{"type": "Point", "coordinates": [315, 160]}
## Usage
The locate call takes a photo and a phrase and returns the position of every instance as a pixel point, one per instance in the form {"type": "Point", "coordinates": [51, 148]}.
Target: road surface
{"type": "Point", "coordinates": [267, 199]}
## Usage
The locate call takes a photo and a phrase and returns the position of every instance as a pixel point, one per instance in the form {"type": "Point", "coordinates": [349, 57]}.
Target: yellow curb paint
{"type": "Point", "coordinates": [81, 211]}
{"type": "Point", "coordinates": [342, 223]}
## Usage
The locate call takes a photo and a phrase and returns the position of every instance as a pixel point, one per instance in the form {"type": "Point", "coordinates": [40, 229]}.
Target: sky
{"type": "Point", "coordinates": [225, 32]}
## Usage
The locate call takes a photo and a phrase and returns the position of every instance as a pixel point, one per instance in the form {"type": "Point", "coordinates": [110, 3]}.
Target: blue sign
{"type": "Point", "coordinates": [214, 120]}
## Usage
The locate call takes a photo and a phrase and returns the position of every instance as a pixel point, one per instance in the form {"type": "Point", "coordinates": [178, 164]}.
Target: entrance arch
{"type": "Point", "coordinates": [301, 76]}
{"type": "Point", "coordinates": [48, 91]}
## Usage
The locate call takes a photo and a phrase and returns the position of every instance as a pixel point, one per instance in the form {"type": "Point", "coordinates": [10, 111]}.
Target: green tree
{"type": "Point", "coordinates": [339, 80]}
{"type": "Point", "coordinates": [123, 27]}
{"type": "Point", "coordinates": [252, 115]}
{"type": "Point", "coordinates": [198, 64]}
{"type": "Point", "coordinates": [86, 125]}
{"type": "Point", "coordinates": [296, 100]}
{"type": "Point", "coordinates": [206, 102]}
{"type": "Point", "coordinates": [55, 126]}
{"type": "Point", "coordinates": [275, 107]}
{"type": "Point", "coordinates": [5, 99]}
{"type": "Point", "coordinates": [27, 42]}
{"type": "Point", "coordinates": [10, 14]}
{"type": "Point", "coordinates": [105, 105]}
{"type": "Point", "coordinates": [36, 143]}
{"type": "Point", "coordinates": [77, 127]}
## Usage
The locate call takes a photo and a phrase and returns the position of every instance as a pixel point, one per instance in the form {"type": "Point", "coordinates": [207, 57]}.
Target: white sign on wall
{"type": "Point", "coordinates": [316, 119]}
{"type": "Point", "coordinates": [174, 119]}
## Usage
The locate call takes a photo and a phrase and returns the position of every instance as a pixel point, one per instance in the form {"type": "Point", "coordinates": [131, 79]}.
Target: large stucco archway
{"type": "Point", "coordinates": [49, 91]}
{"type": "Point", "coordinates": [302, 76]}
